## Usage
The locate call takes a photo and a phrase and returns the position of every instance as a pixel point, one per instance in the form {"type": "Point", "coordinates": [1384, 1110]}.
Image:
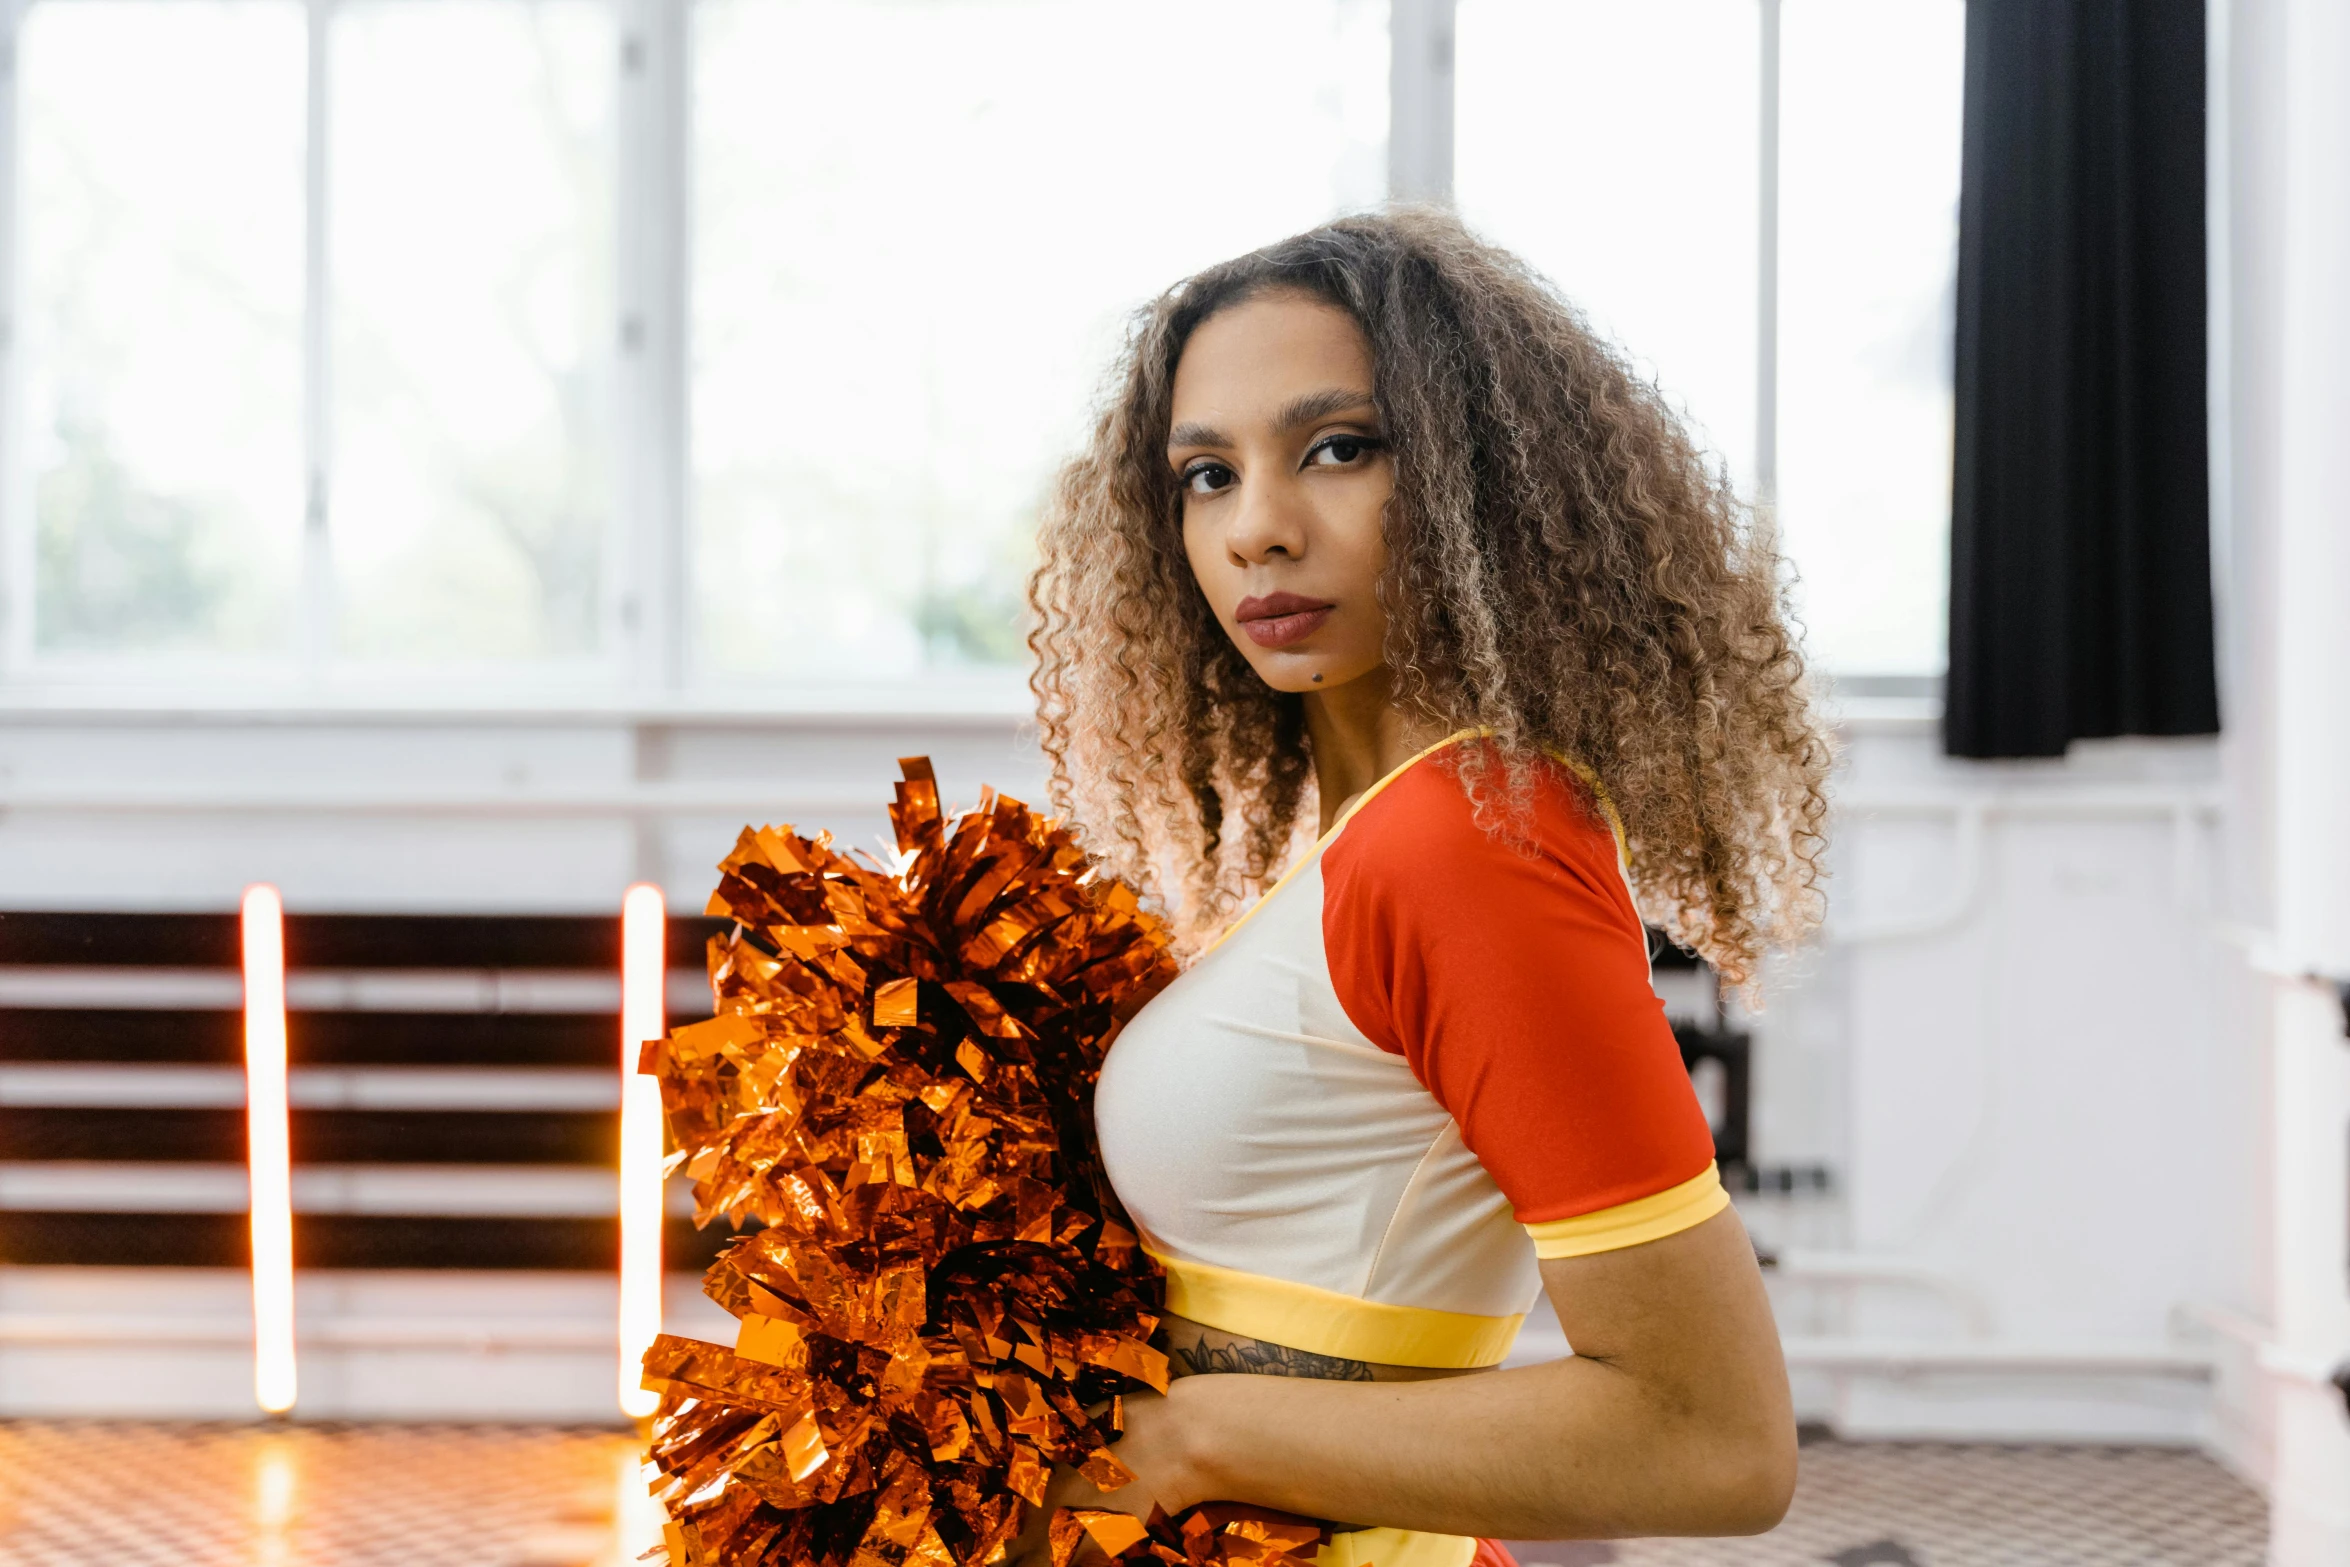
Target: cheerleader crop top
{"type": "Point", "coordinates": [1427, 1057]}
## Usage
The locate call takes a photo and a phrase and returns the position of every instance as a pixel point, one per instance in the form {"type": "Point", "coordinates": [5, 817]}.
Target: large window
{"type": "Point", "coordinates": [472, 344]}
{"type": "Point", "coordinates": [1758, 200]}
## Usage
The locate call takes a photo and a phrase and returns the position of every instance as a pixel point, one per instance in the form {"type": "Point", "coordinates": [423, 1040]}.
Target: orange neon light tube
{"type": "Point", "coordinates": [268, 1149]}
{"type": "Point", "coordinates": [643, 1016]}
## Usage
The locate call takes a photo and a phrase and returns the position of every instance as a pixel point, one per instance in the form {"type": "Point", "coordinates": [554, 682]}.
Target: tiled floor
{"type": "Point", "coordinates": [1928, 1505]}
{"type": "Point", "coordinates": [116, 1494]}
{"type": "Point", "coordinates": [121, 1494]}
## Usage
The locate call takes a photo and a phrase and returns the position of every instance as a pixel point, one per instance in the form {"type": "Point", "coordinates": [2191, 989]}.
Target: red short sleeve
{"type": "Point", "coordinates": [1513, 977]}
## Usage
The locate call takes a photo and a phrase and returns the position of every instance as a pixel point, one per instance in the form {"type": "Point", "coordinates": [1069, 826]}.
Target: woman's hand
{"type": "Point", "coordinates": [1161, 1447]}
{"type": "Point", "coordinates": [1165, 1446]}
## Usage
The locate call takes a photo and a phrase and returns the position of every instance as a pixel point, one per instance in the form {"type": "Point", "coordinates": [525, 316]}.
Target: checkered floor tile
{"type": "Point", "coordinates": [1934, 1505]}
{"type": "Point", "coordinates": [118, 1494]}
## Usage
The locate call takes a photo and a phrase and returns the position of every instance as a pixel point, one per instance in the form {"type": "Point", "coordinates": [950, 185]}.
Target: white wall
{"type": "Point", "coordinates": [2015, 1046]}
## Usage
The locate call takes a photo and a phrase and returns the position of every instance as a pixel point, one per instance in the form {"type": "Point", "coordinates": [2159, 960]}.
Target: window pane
{"type": "Point", "coordinates": [473, 173]}
{"type": "Point", "coordinates": [1614, 146]}
{"type": "Point", "coordinates": [918, 227]}
{"type": "Point", "coordinates": [158, 439]}
{"type": "Point", "coordinates": [1869, 143]}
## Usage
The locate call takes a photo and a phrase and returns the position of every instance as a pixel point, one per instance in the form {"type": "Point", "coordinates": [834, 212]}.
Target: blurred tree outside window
{"type": "Point", "coordinates": [920, 227]}
{"type": "Point", "coordinates": [475, 338]}
{"type": "Point", "coordinates": [164, 436]}
{"type": "Point", "coordinates": [157, 437]}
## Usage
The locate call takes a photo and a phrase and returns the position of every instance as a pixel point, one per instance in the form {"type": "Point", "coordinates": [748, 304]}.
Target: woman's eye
{"type": "Point", "coordinates": [1340, 450]}
{"type": "Point", "coordinates": [1207, 478]}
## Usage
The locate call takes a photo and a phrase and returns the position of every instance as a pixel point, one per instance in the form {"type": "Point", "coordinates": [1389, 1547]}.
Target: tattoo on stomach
{"type": "Point", "coordinates": [1255, 1357]}
{"type": "Point", "coordinates": [1194, 1349]}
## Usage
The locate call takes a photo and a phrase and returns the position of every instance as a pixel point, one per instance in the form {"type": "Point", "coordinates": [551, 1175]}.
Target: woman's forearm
{"type": "Point", "coordinates": [1572, 1450]}
{"type": "Point", "coordinates": [1672, 1418]}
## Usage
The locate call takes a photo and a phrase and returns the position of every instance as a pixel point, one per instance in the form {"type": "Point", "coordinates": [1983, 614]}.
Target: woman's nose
{"type": "Point", "coordinates": [1268, 522]}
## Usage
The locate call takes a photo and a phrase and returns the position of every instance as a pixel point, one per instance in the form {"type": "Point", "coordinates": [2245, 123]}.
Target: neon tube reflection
{"type": "Point", "coordinates": [268, 1149]}
{"type": "Point", "coordinates": [643, 1016]}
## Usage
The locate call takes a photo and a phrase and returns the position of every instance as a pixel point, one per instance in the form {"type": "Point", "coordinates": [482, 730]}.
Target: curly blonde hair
{"type": "Point", "coordinates": [1564, 569]}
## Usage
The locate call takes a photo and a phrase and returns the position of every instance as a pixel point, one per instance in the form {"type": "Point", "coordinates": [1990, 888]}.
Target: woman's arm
{"type": "Point", "coordinates": [1672, 1418]}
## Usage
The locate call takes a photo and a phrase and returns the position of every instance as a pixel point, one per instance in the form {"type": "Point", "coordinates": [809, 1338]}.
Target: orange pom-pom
{"type": "Point", "coordinates": [896, 1099]}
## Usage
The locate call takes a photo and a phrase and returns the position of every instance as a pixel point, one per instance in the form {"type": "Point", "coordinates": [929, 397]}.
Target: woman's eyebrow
{"type": "Point", "coordinates": [1314, 407]}
{"type": "Point", "coordinates": [1196, 435]}
{"type": "Point", "coordinates": [1303, 409]}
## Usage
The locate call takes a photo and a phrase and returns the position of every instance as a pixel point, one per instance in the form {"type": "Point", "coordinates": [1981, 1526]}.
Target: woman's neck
{"type": "Point", "coordinates": [1359, 736]}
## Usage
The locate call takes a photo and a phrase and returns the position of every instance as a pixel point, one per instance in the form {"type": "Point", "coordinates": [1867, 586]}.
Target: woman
{"type": "Point", "coordinates": [1374, 529]}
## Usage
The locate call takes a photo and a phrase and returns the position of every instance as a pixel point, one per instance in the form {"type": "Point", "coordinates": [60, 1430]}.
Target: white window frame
{"type": "Point", "coordinates": [647, 615]}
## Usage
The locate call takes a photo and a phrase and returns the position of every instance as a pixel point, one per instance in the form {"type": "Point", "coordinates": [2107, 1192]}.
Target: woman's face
{"type": "Point", "coordinates": [1285, 476]}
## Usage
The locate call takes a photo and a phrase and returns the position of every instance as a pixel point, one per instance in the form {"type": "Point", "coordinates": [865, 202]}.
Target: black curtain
{"type": "Point", "coordinates": [2080, 559]}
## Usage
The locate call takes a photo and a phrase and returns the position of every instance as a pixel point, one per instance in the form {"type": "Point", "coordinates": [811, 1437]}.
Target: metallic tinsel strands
{"type": "Point", "coordinates": [937, 1299]}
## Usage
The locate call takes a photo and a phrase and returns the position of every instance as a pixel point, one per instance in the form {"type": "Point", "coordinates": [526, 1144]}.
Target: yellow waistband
{"type": "Point", "coordinates": [1633, 1223]}
{"type": "Point", "coordinates": [1395, 1548]}
{"type": "Point", "coordinates": [1324, 1322]}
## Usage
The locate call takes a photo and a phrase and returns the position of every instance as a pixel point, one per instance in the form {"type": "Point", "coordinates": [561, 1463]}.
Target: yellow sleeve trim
{"type": "Point", "coordinates": [1324, 1322]}
{"type": "Point", "coordinates": [1633, 1223]}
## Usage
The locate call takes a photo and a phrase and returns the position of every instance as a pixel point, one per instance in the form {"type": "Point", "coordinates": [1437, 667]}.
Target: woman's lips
{"type": "Point", "coordinates": [1281, 630]}
{"type": "Point", "coordinates": [1278, 619]}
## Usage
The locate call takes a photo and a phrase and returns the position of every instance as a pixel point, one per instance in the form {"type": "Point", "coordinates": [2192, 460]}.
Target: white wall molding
{"type": "Point", "coordinates": [372, 1346]}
